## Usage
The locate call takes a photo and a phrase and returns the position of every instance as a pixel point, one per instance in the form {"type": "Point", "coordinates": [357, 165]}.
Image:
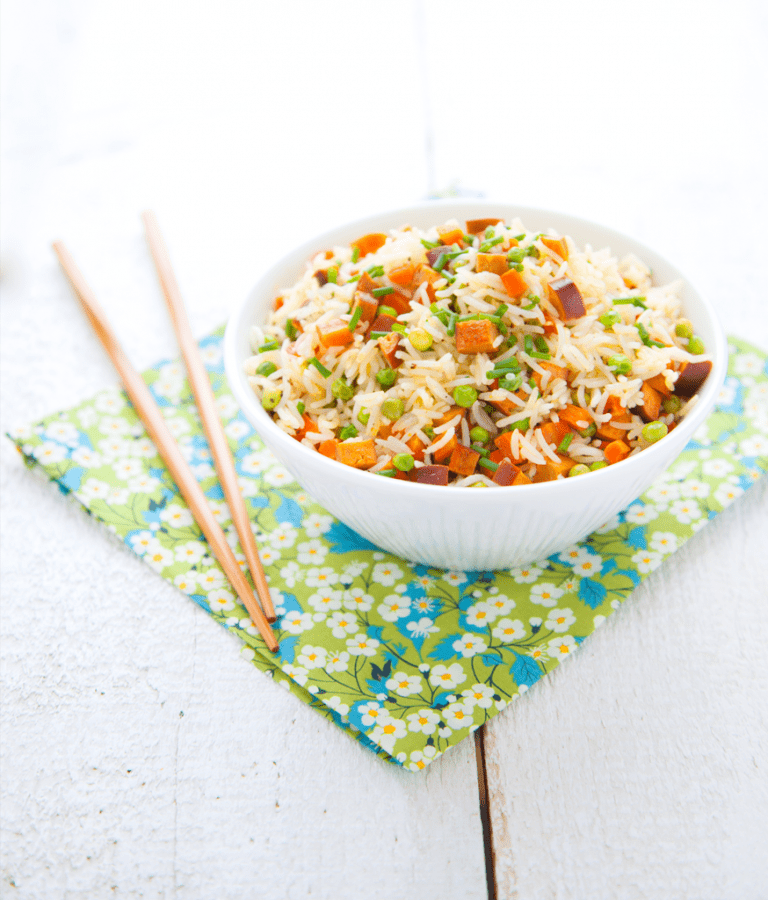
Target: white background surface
{"type": "Point", "coordinates": [141, 756]}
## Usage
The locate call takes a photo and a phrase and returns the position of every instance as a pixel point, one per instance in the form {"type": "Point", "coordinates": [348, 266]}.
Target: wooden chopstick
{"type": "Point", "coordinates": [153, 420]}
{"type": "Point", "coordinates": [206, 404]}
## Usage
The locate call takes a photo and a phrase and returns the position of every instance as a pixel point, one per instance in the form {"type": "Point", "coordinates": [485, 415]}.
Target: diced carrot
{"type": "Point", "coordinates": [505, 474]}
{"type": "Point", "coordinates": [416, 446]}
{"type": "Point", "coordinates": [356, 453]}
{"type": "Point", "coordinates": [521, 478]}
{"type": "Point", "coordinates": [382, 322]}
{"type": "Point", "coordinates": [554, 432]}
{"type": "Point", "coordinates": [616, 451]}
{"type": "Point", "coordinates": [430, 475]}
{"type": "Point", "coordinates": [503, 442]}
{"type": "Point", "coordinates": [476, 336]}
{"type": "Point", "coordinates": [554, 370]}
{"type": "Point", "coordinates": [308, 426]}
{"type": "Point", "coordinates": [451, 414]}
{"type": "Point", "coordinates": [369, 306]}
{"type": "Point", "coordinates": [551, 470]}
{"type": "Point", "coordinates": [366, 284]}
{"type": "Point", "coordinates": [401, 303]}
{"type": "Point", "coordinates": [328, 448]}
{"type": "Point", "coordinates": [557, 245]}
{"type": "Point", "coordinates": [549, 325]}
{"type": "Point", "coordinates": [496, 456]}
{"type": "Point", "coordinates": [388, 466]}
{"type": "Point", "coordinates": [566, 298]}
{"type": "Point", "coordinates": [388, 346]}
{"type": "Point", "coordinates": [450, 234]}
{"type": "Point", "coordinates": [463, 460]}
{"type": "Point", "coordinates": [651, 405]}
{"type": "Point", "coordinates": [658, 383]}
{"type": "Point", "coordinates": [426, 274]}
{"type": "Point", "coordinates": [492, 262]}
{"type": "Point", "coordinates": [575, 416]}
{"type": "Point", "coordinates": [614, 406]}
{"type": "Point", "coordinates": [402, 274]}
{"type": "Point", "coordinates": [369, 243]}
{"type": "Point", "coordinates": [446, 450]}
{"type": "Point", "coordinates": [609, 432]}
{"type": "Point", "coordinates": [475, 226]}
{"type": "Point", "coordinates": [278, 303]}
{"type": "Point", "coordinates": [334, 333]}
{"type": "Point", "coordinates": [514, 283]}
{"type": "Point", "coordinates": [504, 405]}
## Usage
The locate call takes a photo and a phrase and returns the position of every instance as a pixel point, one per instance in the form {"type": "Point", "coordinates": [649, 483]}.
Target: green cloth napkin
{"type": "Point", "coordinates": [408, 659]}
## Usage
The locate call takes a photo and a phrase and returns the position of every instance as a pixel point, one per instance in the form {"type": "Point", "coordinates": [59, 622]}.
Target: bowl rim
{"type": "Point", "coordinates": [259, 418]}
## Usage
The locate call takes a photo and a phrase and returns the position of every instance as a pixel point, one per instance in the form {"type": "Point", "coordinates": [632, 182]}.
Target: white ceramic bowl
{"type": "Point", "coordinates": [446, 526]}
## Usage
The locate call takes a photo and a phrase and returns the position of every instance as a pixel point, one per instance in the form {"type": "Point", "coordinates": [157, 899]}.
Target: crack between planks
{"type": "Point", "coordinates": [485, 813]}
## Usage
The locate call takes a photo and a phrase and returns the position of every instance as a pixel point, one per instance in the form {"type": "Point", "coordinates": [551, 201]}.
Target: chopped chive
{"type": "Point", "coordinates": [487, 464]}
{"type": "Point", "coordinates": [363, 416]}
{"type": "Point", "coordinates": [635, 301]}
{"type": "Point", "coordinates": [355, 318]}
{"type": "Point", "coordinates": [332, 275]}
{"type": "Point", "coordinates": [519, 237]}
{"type": "Point", "coordinates": [319, 366]}
{"type": "Point", "coordinates": [451, 328]}
{"type": "Point", "coordinates": [609, 319]}
{"type": "Point", "coordinates": [520, 425]}
{"type": "Point", "coordinates": [483, 451]}
{"type": "Point", "coordinates": [511, 365]}
{"type": "Point", "coordinates": [382, 291]}
{"type": "Point", "coordinates": [399, 327]}
{"type": "Point", "coordinates": [355, 254]}
{"type": "Point", "coordinates": [290, 330]}
{"type": "Point", "coordinates": [515, 255]}
{"type": "Point", "coordinates": [387, 473]}
{"type": "Point", "coordinates": [534, 301]}
{"type": "Point", "coordinates": [541, 344]}
{"type": "Point", "coordinates": [501, 310]}
{"type": "Point", "coordinates": [266, 368]}
{"type": "Point", "coordinates": [440, 262]}
{"type": "Point", "coordinates": [535, 354]}
{"type": "Point", "coordinates": [528, 344]}
{"type": "Point", "coordinates": [511, 384]}
{"type": "Point", "coordinates": [270, 345]}
{"type": "Point", "coordinates": [488, 245]}
{"type": "Point", "coordinates": [353, 278]}
{"type": "Point", "coordinates": [429, 245]}
{"type": "Point", "coordinates": [375, 335]}
{"type": "Point", "coordinates": [563, 446]}
{"type": "Point", "coordinates": [347, 432]}
{"type": "Point", "coordinates": [375, 271]}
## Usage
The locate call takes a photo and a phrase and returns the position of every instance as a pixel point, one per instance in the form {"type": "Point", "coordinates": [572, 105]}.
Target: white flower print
{"type": "Point", "coordinates": [186, 582]}
{"type": "Point", "coordinates": [337, 661]}
{"type": "Point", "coordinates": [362, 645]}
{"type": "Point", "coordinates": [226, 403]}
{"type": "Point", "coordinates": [423, 604]}
{"type": "Point", "coordinates": [538, 653]}
{"type": "Point", "coordinates": [685, 511]}
{"type": "Point", "coordinates": [573, 554]}
{"type": "Point", "coordinates": [545, 594]}
{"type": "Point", "coordinates": [717, 468]}
{"type": "Point", "coordinates": [422, 627]}
{"type": "Point", "coordinates": [692, 487]}
{"type": "Point", "coordinates": [560, 647]}
{"type": "Point", "coordinates": [311, 552]}
{"type": "Point", "coordinates": [255, 463]}
{"type": "Point", "coordinates": [297, 673]}
{"type": "Point", "coordinates": [142, 541]}
{"type": "Point", "coordinates": [277, 476]}
{"type": "Point", "coordinates": [756, 445]}
{"type": "Point", "coordinates": [501, 604]}
{"type": "Point", "coordinates": [63, 432]}
{"type": "Point", "coordinates": [109, 402]}
{"type": "Point", "coordinates": [726, 493]}
{"type": "Point", "coordinates": [290, 573]}
{"type": "Point", "coordinates": [87, 458]}
{"type": "Point", "coordinates": [647, 560]}
{"type": "Point", "coordinates": [424, 721]}
{"type": "Point", "coordinates": [114, 447]}
{"type": "Point", "coordinates": [470, 645]}
{"type": "Point", "coordinates": [509, 630]}
{"type": "Point", "coordinates": [221, 600]}
{"type": "Point", "coordinates": [356, 598]}
{"type": "Point", "coordinates": [268, 555]}
{"type": "Point", "coordinates": [321, 577]}
{"type": "Point", "coordinates": [478, 695]}
{"type": "Point", "coordinates": [190, 551]}
{"type": "Point", "coordinates": [481, 614]}
{"type": "Point", "coordinates": [748, 364]}
{"type": "Point", "coordinates": [342, 624]}
{"type": "Point", "coordinates": [560, 620]}
{"type": "Point", "coordinates": [421, 758]}
{"type": "Point", "coordinates": [447, 677]}
{"type": "Point", "coordinates": [387, 733]}
{"type": "Point", "coordinates": [588, 565]}
{"type": "Point", "coordinates": [49, 453]}
{"type": "Point", "coordinates": [114, 426]}
{"type": "Point", "coordinates": [610, 525]}
{"type": "Point", "coordinates": [94, 489]}
{"type": "Point", "coordinates": [335, 704]}
{"type": "Point", "coordinates": [176, 516]}
{"type": "Point", "coordinates": [458, 715]}
{"type": "Point", "coordinates": [316, 524]}
{"type": "Point", "coordinates": [296, 622]}
{"type": "Point", "coordinates": [662, 493]}
{"type": "Point", "coordinates": [372, 713]}
{"type": "Point", "coordinates": [394, 607]}
{"type": "Point", "coordinates": [210, 579]}
{"type": "Point", "coordinates": [312, 657]}
{"type": "Point", "coordinates": [664, 542]}
{"type": "Point", "coordinates": [236, 429]}
{"type": "Point", "coordinates": [404, 685]}
{"type": "Point", "coordinates": [285, 536]}
{"type": "Point", "coordinates": [220, 511]}
{"type": "Point", "coordinates": [144, 448]}
{"type": "Point", "coordinates": [455, 578]}
{"type": "Point", "coordinates": [639, 514]}
{"type": "Point", "coordinates": [386, 574]}
{"type": "Point", "coordinates": [325, 600]}
{"type": "Point", "coordinates": [144, 484]}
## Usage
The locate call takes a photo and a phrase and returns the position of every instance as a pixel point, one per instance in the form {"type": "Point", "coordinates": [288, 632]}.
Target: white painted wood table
{"type": "Point", "coordinates": [141, 756]}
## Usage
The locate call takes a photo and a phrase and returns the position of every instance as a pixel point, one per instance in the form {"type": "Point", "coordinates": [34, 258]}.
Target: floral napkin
{"type": "Point", "coordinates": [408, 659]}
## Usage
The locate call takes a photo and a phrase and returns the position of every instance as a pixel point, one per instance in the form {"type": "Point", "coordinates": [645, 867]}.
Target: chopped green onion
{"type": "Point", "coordinates": [270, 345]}
{"type": "Point", "coordinates": [290, 330]}
{"type": "Point", "coordinates": [516, 255]}
{"type": "Point", "coordinates": [478, 433]}
{"type": "Point", "coordinates": [654, 431]}
{"type": "Point", "coordinates": [610, 319]}
{"type": "Point", "coordinates": [635, 301]}
{"type": "Point", "coordinates": [382, 291]}
{"type": "Point", "coordinates": [355, 254]}
{"type": "Point", "coordinates": [375, 335]}
{"type": "Point", "coordinates": [375, 271]}
{"type": "Point", "coordinates": [300, 406]}
{"type": "Point", "coordinates": [598, 464]}
{"type": "Point", "coordinates": [353, 278]}
{"type": "Point", "coordinates": [403, 461]}
{"type": "Point", "coordinates": [393, 408]}
{"type": "Point", "coordinates": [488, 245]}
{"type": "Point", "coordinates": [266, 368]}
{"type": "Point", "coordinates": [478, 448]}
{"type": "Point", "coordinates": [511, 384]}
{"type": "Point", "coordinates": [319, 366]}
{"type": "Point", "coordinates": [506, 365]}
{"type": "Point", "coordinates": [464, 395]}
{"type": "Point", "coordinates": [620, 364]}
{"type": "Point", "coordinates": [501, 310]}
{"type": "Point", "coordinates": [429, 245]}
{"type": "Point", "coordinates": [347, 432]}
{"type": "Point", "coordinates": [645, 337]}
{"type": "Point", "coordinates": [440, 262]}
{"type": "Point", "coordinates": [363, 416]}
{"type": "Point", "coordinates": [355, 318]}
{"type": "Point", "coordinates": [451, 329]}
{"type": "Point", "coordinates": [399, 327]}
{"type": "Point", "coordinates": [696, 345]}
{"type": "Point", "coordinates": [528, 344]}
{"type": "Point", "coordinates": [386, 377]}
{"type": "Point", "coordinates": [387, 473]}
{"type": "Point", "coordinates": [563, 446]}
{"type": "Point", "coordinates": [341, 390]}
{"type": "Point", "coordinates": [519, 237]}
{"type": "Point", "coordinates": [684, 329]}
{"type": "Point", "coordinates": [541, 344]}
{"type": "Point", "coordinates": [332, 275]}
{"type": "Point", "coordinates": [534, 301]}
{"type": "Point", "coordinates": [535, 354]}
{"type": "Point", "coordinates": [270, 398]}
{"type": "Point", "coordinates": [386, 311]}
{"type": "Point", "coordinates": [429, 431]}
{"type": "Point", "coordinates": [487, 464]}
{"type": "Point", "coordinates": [420, 340]}
{"type": "Point", "coordinates": [520, 425]}
{"type": "Point", "coordinates": [532, 250]}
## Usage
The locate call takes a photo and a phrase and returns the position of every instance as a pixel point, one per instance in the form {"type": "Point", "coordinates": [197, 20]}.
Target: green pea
{"type": "Point", "coordinates": [393, 408]}
{"type": "Point", "coordinates": [266, 368]}
{"type": "Point", "coordinates": [696, 345]}
{"type": "Point", "coordinates": [580, 469]}
{"type": "Point", "coordinates": [386, 377]}
{"type": "Point", "coordinates": [347, 432]}
{"type": "Point", "coordinates": [403, 461]}
{"type": "Point", "coordinates": [598, 464]}
{"type": "Point", "coordinates": [511, 384]}
{"type": "Point", "coordinates": [654, 431]}
{"type": "Point", "coordinates": [270, 398]}
{"type": "Point", "coordinates": [620, 364]}
{"type": "Point", "coordinates": [684, 329]}
{"type": "Point", "coordinates": [363, 416]}
{"type": "Point", "coordinates": [341, 390]}
{"type": "Point", "coordinates": [421, 340]}
{"type": "Point", "coordinates": [479, 435]}
{"type": "Point", "coordinates": [464, 395]}
{"type": "Point", "coordinates": [672, 405]}
{"type": "Point", "coordinates": [610, 319]}
{"type": "Point", "coordinates": [520, 425]}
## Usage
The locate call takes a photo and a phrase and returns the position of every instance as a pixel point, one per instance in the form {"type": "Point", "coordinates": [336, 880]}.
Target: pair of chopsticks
{"type": "Point", "coordinates": [153, 420]}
